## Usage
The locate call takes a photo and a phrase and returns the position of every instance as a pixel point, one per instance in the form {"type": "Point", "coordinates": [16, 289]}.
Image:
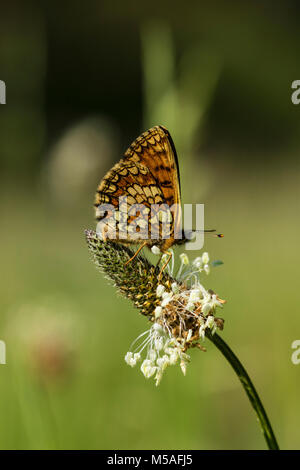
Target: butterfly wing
{"type": "Point", "coordinates": [148, 174]}
{"type": "Point", "coordinates": [155, 150]}
{"type": "Point", "coordinates": [128, 185]}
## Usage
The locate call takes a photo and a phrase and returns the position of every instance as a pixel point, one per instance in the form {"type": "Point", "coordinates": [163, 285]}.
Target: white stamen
{"type": "Point", "coordinates": [160, 290]}
{"type": "Point", "coordinates": [155, 250]}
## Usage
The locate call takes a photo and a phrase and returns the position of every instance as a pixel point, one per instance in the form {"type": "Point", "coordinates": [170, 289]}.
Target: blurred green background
{"type": "Point", "coordinates": [83, 80]}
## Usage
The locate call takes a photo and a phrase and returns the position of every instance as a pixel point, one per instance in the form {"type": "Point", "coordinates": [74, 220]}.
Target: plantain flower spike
{"type": "Point", "coordinates": [178, 306]}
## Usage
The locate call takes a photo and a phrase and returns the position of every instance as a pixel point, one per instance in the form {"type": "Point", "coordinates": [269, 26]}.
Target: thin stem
{"type": "Point", "coordinates": [249, 389]}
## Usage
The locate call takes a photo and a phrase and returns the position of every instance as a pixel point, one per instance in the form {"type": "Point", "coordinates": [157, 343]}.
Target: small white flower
{"type": "Point", "coordinates": [159, 343]}
{"type": "Point", "coordinates": [137, 357]}
{"type": "Point", "coordinates": [205, 258]}
{"type": "Point", "coordinates": [163, 362]}
{"type": "Point", "coordinates": [202, 331]}
{"type": "Point", "coordinates": [190, 332]}
{"type": "Point", "coordinates": [198, 262]}
{"type": "Point", "coordinates": [184, 258]}
{"type": "Point", "coordinates": [183, 366]}
{"type": "Point", "coordinates": [190, 306]}
{"type": "Point", "coordinates": [194, 295]}
{"type": "Point", "coordinates": [157, 328]}
{"type": "Point", "coordinates": [147, 368]}
{"type": "Point", "coordinates": [175, 288]}
{"type": "Point", "coordinates": [206, 268]}
{"type": "Point", "coordinates": [160, 290]}
{"type": "Point", "coordinates": [213, 329]}
{"type": "Point", "coordinates": [131, 359]}
{"type": "Point", "coordinates": [173, 356]}
{"type": "Point", "coordinates": [155, 250]}
{"type": "Point", "coordinates": [206, 308]}
{"type": "Point", "coordinates": [215, 302]}
{"type": "Point", "coordinates": [210, 322]}
{"type": "Point", "coordinates": [158, 377]}
{"type": "Point", "coordinates": [167, 297]}
{"type": "Point", "coordinates": [128, 358]}
{"type": "Point", "coordinates": [157, 312]}
{"type": "Point", "coordinates": [152, 355]}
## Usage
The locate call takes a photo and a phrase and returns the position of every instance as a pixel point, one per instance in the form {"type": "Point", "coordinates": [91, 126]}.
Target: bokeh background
{"type": "Point", "coordinates": [83, 80]}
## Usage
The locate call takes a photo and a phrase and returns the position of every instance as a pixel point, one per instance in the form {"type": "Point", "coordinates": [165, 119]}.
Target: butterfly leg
{"type": "Point", "coordinates": [104, 238]}
{"type": "Point", "coordinates": [136, 253]}
{"type": "Point", "coordinates": [169, 253]}
{"type": "Point", "coordinates": [159, 260]}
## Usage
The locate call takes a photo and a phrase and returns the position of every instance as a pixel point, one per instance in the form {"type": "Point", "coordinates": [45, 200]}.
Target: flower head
{"type": "Point", "coordinates": [178, 305]}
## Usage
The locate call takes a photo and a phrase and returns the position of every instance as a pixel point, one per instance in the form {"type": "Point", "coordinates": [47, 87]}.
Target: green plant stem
{"type": "Point", "coordinates": [249, 389]}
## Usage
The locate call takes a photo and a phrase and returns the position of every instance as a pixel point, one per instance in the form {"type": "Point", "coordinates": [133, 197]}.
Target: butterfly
{"type": "Point", "coordinates": [138, 200]}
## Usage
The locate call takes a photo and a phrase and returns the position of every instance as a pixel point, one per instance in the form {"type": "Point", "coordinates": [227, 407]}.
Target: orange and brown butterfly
{"type": "Point", "coordinates": [148, 177]}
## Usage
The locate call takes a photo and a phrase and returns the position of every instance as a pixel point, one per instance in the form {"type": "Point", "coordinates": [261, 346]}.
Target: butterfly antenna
{"type": "Point", "coordinates": [218, 235]}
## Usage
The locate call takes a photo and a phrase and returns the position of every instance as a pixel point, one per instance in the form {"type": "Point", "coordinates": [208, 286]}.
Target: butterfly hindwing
{"type": "Point", "coordinates": [148, 174]}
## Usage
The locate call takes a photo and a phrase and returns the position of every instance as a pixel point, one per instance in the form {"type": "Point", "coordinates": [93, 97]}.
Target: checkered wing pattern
{"type": "Point", "coordinates": [147, 175]}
